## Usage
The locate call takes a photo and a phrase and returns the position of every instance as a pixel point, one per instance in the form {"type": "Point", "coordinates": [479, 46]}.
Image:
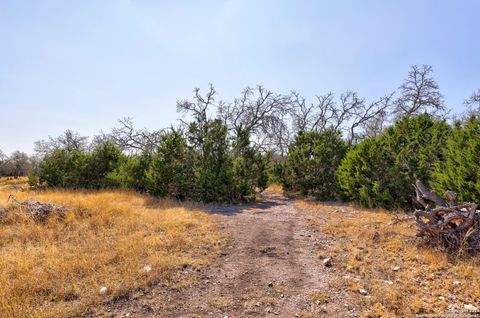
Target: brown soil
{"type": "Point", "coordinates": [270, 268]}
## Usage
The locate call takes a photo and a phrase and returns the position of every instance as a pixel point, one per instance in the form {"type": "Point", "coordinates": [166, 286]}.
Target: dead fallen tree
{"type": "Point", "coordinates": [37, 210]}
{"type": "Point", "coordinates": [455, 226]}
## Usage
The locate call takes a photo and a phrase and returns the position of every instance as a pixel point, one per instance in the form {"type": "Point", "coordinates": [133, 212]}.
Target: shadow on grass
{"type": "Point", "coordinates": [265, 201]}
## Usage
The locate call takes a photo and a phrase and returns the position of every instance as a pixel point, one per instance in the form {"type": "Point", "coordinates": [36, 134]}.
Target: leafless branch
{"type": "Point", "coordinates": [200, 105]}
{"type": "Point", "coordinates": [127, 138]}
{"type": "Point", "coordinates": [419, 93]}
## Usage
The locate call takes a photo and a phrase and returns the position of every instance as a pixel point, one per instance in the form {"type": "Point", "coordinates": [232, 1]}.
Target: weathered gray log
{"type": "Point", "coordinates": [429, 194]}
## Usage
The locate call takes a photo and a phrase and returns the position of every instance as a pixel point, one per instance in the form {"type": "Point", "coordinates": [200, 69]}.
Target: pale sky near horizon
{"type": "Point", "coordinates": [81, 65]}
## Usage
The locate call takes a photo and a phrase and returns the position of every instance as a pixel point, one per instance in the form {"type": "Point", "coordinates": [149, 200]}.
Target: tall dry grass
{"type": "Point", "coordinates": [106, 239]}
{"type": "Point", "coordinates": [371, 251]}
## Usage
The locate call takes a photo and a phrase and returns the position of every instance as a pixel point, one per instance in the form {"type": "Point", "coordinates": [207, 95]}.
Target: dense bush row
{"type": "Point", "coordinates": [203, 164]}
{"type": "Point", "coordinates": [206, 163]}
{"type": "Point", "coordinates": [380, 171]}
{"type": "Point", "coordinates": [459, 171]}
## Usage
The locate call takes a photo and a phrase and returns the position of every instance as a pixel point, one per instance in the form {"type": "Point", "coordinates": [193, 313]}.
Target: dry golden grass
{"type": "Point", "coordinates": [401, 277]}
{"type": "Point", "coordinates": [275, 187]}
{"type": "Point", "coordinates": [10, 183]}
{"type": "Point", "coordinates": [106, 239]}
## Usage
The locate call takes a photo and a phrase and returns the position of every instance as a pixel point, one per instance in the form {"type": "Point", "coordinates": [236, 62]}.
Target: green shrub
{"type": "Point", "coordinates": [460, 169]}
{"type": "Point", "coordinates": [132, 172]}
{"type": "Point", "coordinates": [171, 172]}
{"type": "Point", "coordinates": [63, 168]}
{"type": "Point", "coordinates": [367, 174]}
{"type": "Point", "coordinates": [101, 163]}
{"type": "Point", "coordinates": [312, 162]}
{"type": "Point", "coordinates": [250, 168]}
{"type": "Point", "coordinates": [380, 171]}
{"type": "Point", "coordinates": [205, 164]}
{"type": "Point", "coordinates": [213, 162]}
{"type": "Point", "coordinates": [77, 169]}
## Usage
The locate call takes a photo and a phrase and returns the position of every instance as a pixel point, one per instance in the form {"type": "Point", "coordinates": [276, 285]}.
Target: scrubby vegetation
{"type": "Point", "coordinates": [312, 162]}
{"type": "Point", "coordinates": [203, 164]}
{"type": "Point", "coordinates": [378, 165]}
{"type": "Point", "coordinates": [119, 240]}
{"type": "Point", "coordinates": [373, 250]}
{"type": "Point", "coordinates": [459, 171]}
{"type": "Point", "coordinates": [380, 171]}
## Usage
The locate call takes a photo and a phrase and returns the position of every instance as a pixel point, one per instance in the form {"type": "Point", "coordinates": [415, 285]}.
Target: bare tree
{"type": "Point", "coordinates": [370, 119]}
{"type": "Point", "coordinates": [419, 93]}
{"type": "Point", "coordinates": [127, 138]}
{"type": "Point", "coordinates": [200, 105]}
{"type": "Point", "coordinates": [326, 110]}
{"type": "Point", "coordinates": [350, 106]}
{"type": "Point", "coordinates": [472, 105]}
{"type": "Point", "coordinates": [351, 115]}
{"type": "Point", "coordinates": [280, 135]}
{"type": "Point", "coordinates": [474, 99]}
{"type": "Point", "coordinates": [16, 165]}
{"type": "Point", "coordinates": [3, 161]}
{"type": "Point", "coordinates": [375, 125]}
{"type": "Point", "coordinates": [257, 111]}
{"type": "Point", "coordinates": [69, 140]}
{"type": "Point", "coordinates": [313, 116]}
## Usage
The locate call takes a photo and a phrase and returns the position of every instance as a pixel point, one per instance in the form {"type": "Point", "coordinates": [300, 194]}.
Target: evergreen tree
{"type": "Point", "coordinates": [460, 170]}
{"type": "Point", "coordinates": [171, 172]}
{"type": "Point", "coordinates": [101, 163]}
{"type": "Point", "coordinates": [213, 161]}
{"type": "Point", "coordinates": [381, 171]}
{"type": "Point", "coordinates": [250, 168]}
{"type": "Point", "coordinates": [132, 172]}
{"type": "Point", "coordinates": [311, 164]}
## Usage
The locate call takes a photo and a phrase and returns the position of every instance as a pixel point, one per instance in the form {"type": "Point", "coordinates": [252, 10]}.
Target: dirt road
{"type": "Point", "coordinates": [271, 268]}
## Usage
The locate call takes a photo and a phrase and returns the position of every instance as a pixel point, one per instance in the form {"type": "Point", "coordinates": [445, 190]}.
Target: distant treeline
{"type": "Point", "coordinates": [333, 148]}
{"type": "Point", "coordinates": [16, 165]}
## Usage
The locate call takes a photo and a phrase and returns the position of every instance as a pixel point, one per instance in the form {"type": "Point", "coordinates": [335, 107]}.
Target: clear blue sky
{"type": "Point", "coordinates": [83, 64]}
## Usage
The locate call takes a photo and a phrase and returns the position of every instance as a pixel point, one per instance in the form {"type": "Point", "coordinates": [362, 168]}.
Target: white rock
{"type": "Point", "coordinates": [456, 283]}
{"type": "Point", "coordinates": [327, 262]}
{"type": "Point", "coordinates": [470, 307]}
{"type": "Point", "coordinates": [441, 298]}
{"type": "Point", "coordinates": [362, 291]}
{"type": "Point", "coordinates": [103, 290]}
{"type": "Point", "coordinates": [146, 269]}
{"type": "Point", "coordinates": [389, 282]}
{"type": "Point", "coordinates": [396, 268]}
